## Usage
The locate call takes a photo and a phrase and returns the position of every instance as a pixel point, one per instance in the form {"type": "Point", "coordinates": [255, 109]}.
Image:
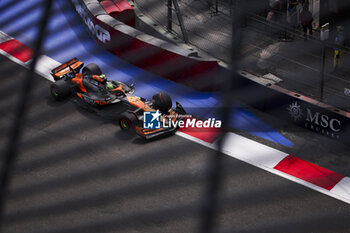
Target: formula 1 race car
{"type": "Point", "coordinates": [90, 85]}
{"type": "Point", "coordinates": [92, 88]}
{"type": "Point", "coordinates": [160, 105]}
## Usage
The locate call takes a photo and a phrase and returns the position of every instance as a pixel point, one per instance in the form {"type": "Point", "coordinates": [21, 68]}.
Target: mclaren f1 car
{"type": "Point", "coordinates": [90, 86]}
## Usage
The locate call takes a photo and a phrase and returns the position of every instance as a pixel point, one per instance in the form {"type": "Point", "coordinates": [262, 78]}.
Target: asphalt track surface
{"type": "Point", "coordinates": [68, 38]}
{"type": "Point", "coordinates": [77, 172]}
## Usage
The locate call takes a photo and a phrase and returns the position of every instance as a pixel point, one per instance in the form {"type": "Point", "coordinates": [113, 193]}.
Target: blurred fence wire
{"type": "Point", "coordinates": [273, 45]}
{"type": "Point", "coordinates": [66, 171]}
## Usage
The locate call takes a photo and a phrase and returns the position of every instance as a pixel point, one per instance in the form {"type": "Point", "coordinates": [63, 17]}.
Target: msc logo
{"type": "Point", "coordinates": [151, 120]}
{"type": "Point", "coordinates": [295, 111]}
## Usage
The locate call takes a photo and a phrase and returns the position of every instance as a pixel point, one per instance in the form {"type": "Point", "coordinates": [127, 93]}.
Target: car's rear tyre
{"type": "Point", "coordinates": [127, 122]}
{"type": "Point", "coordinates": [60, 90]}
{"type": "Point", "coordinates": [92, 69]}
{"type": "Point", "coordinates": [162, 102]}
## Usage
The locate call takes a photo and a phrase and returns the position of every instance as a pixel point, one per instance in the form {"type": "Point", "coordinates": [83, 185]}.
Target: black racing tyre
{"type": "Point", "coordinates": [162, 102]}
{"type": "Point", "coordinates": [60, 89]}
{"type": "Point", "coordinates": [92, 69]}
{"type": "Point", "coordinates": [127, 122]}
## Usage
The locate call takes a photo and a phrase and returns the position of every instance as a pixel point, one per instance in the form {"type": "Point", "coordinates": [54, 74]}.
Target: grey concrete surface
{"type": "Point", "coordinates": [297, 62]}
{"type": "Point", "coordinates": [76, 172]}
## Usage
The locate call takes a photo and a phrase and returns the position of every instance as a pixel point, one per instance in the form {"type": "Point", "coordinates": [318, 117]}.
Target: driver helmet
{"type": "Point", "coordinates": [102, 76]}
{"type": "Point", "coordinates": [109, 86]}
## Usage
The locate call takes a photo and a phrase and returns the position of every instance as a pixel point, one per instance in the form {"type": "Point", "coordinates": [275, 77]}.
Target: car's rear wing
{"type": "Point", "coordinates": [73, 64]}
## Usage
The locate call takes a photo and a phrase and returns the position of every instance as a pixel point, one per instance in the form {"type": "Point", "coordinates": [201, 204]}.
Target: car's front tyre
{"type": "Point", "coordinates": [162, 102]}
{"type": "Point", "coordinates": [127, 122]}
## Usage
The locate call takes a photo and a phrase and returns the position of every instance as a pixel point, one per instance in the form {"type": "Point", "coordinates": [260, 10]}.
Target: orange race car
{"type": "Point", "coordinates": [133, 113]}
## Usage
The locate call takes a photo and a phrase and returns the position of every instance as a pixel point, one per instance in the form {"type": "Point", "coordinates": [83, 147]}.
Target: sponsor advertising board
{"type": "Point", "coordinates": [96, 30]}
{"type": "Point", "coordinates": [316, 119]}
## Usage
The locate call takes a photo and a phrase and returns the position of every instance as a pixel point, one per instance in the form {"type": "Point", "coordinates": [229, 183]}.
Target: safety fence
{"type": "Point", "coordinates": [147, 52]}
{"type": "Point", "coordinates": [269, 45]}
{"type": "Point", "coordinates": [65, 170]}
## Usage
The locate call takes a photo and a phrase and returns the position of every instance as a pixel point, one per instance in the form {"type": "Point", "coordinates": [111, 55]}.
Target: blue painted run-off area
{"type": "Point", "coordinates": [67, 38]}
